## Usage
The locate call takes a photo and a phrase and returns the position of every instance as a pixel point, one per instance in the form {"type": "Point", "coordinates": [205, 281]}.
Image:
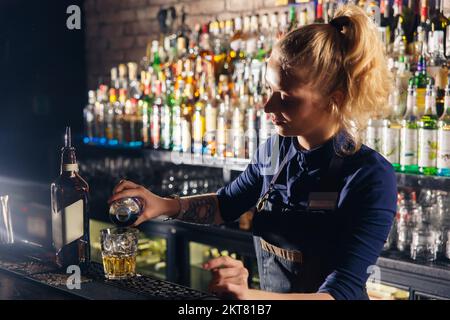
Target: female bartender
{"type": "Point", "coordinates": [324, 202]}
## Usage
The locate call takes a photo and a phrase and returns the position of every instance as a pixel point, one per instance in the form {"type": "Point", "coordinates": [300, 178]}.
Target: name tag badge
{"type": "Point", "coordinates": [322, 200]}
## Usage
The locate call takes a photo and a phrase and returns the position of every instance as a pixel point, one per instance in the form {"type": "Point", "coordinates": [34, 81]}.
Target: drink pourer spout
{"type": "Point", "coordinates": [68, 137]}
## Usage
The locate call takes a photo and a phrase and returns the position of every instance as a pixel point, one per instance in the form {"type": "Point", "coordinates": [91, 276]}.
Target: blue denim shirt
{"type": "Point", "coordinates": [367, 201]}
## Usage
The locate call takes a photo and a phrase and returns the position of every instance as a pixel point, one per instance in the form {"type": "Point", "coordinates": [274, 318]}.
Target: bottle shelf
{"type": "Point", "coordinates": [237, 164]}
{"type": "Point", "coordinates": [197, 160]}
{"type": "Point", "coordinates": [432, 278]}
{"type": "Point", "coordinates": [111, 144]}
{"type": "Point", "coordinates": [423, 181]}
{"type": "Point", "coordinates": [403, 179]}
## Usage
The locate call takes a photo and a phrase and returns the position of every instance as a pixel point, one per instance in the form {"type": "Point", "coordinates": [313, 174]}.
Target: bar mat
{"type": "Point", "coordinates": [150, 287]}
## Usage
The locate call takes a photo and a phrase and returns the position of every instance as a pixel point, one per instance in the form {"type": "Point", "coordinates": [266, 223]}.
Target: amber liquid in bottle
{"type": "Point", "coordinates": [70, 222]}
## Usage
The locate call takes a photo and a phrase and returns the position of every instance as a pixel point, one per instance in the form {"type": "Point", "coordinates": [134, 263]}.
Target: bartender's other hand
{"type": "Point", "coordinates": [230, 277]}
{"type": "Point", "coordinates": [154, 205]}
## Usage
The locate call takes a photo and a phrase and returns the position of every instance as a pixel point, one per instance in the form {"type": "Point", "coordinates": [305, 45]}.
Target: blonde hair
{"type": "Point", "coordinates": [346, 54]}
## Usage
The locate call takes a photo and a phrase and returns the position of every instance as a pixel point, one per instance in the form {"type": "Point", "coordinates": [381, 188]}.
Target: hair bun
{"type": "Point", "coordinates": [340, 22]}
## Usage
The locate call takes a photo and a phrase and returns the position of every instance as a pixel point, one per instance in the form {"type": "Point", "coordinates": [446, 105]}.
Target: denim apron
{"type": "Point", "coordinates": [296, 248]}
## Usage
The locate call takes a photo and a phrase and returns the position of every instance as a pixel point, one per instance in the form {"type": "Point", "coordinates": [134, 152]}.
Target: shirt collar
{"type": "Point", "coordinates": [320, 155]}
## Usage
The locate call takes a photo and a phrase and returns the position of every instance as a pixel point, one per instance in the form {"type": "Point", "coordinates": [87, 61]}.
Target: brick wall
{"type": "Point", "coordinates": [118, 30]}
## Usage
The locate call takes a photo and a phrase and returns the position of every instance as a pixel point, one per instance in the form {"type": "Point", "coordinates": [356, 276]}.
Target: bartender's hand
{"type": "Point", "coordinates": [154, 206]}
{"type": "Point", "coordinates": [230, 278]}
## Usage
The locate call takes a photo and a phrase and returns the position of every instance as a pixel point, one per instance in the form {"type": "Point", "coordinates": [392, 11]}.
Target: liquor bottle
{"type": "Point", "coordinates": [183, 35]}
{"type": "Point", "coordinates": [69, 202]}
{"type": "Point", "coordinates": [391, 135]}
{"type": "Point", "coordinates": [133, 83]}
{"type": "Point", "coordinates": [428, 135]}
{"type": "Point", "coordinates": [160, 55]}
{"type": "Point", "coordinates": [385, 16]}
{"type": "Point", "coordinates": [224, 132]}
{"type": "Point", "coordinates": [386, 23]}
{"type": "Point", "coordinates": [211, 112]}
{"type": "Point", "coordinates": [89, 118]}
{"type": "Point", "coordinates": [221, 129]}
{"type": "Point", "coordinates": [145, 105]}
{"type": "Point", "coordinates": [293, 22]}
{"type": "Point", "coordinates": [400, 44]}
{"type": "Point", "coordinates": [425, 22]}
{"type": "Point", "coordinates": [109, 116]}
{"type": "Point", "coordinates": [155, 60]}
{"type": "Point", "coordinates": [438, 68]}
{"type": "Point", "coordinates": [303, 17]}
{"type": "Point", "coordinates": [177, 117]}
{"type": "Point", "coordinates": [218, 48]}
{"type": "Point", "coordinates": [373, 11]}
{"type": "Point", "coordinates": [114, 79]}
{"type": "Point", "coordinates": [238, 126]}
{"type": "Point", "coordinates": [100, 113]}
{"type": "Point", "coordinates": [274, 29]}
{"type": "Point", "coordinates": [132, 123]}
{"type": "Point", "coordinates": [319, 12]}
{"type": "Point", "coordinates": [236, 41]}
{"type": "Point", "coordinates": [424, 30]}
{"type": "Point", "coordinates": [374, 134]}
{"type": "Point", "coordinates": [123, 81]}
{"type": "Point", "coordinates": [119, 110]}
{"type": "Point", "coordinates": [405, 224]}
{"type": "Point", "coordinates": [186, 120]}
{"type": "Point", "coordinates": [411, 19]}
{"type": "Point", "coordinates": [401, 85]}
{"type": "Point", "coordinates": [181, 47]}
{"type": "Point", "coordinates": [228, 65]}
{"type": "Point", "coordinates": [397, 9]}
{"type": "Point", "coordinates": [253, 37]}
{"type": "Point", "coordinates": [409, 135]}
{"type": "Point", "coordinates": [246, 25]}
{"type": "Point", "coordinates": [206, 56]}
{"type": "Point", "coordinates": [198, 121]}
{"type": "Point", "coordinates": [167, 116]}
{"type": "Point", "coordinates": [331, 9]}
{"type": "Point", "coordinates": [420, 80]}
{"type": "Point", "coordinates": [443, 157]}
{"type": "Point", "coordinates": [264, 39]}
{"type": "Point", "coordinates": [124, 212]}
{"type": "Point", "coordinates": [144, 64]}
{"type": "Point", "coordinates": [251, 136]}
{"type": "Point", "coordinates": [447, 41]}
{"type": "Point", "coordinates": [283, 24]}
{"type": "Point", "coordinates": [194, 40]}
{"type": "Point", "coordinates": [155, 117]}
{"type": "Point", "coordinates": [325, 5]}
{"type": "Point", "coordinates": [439, 22]}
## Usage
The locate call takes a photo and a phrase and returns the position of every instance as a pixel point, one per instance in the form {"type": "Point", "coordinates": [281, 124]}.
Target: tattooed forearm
{"type": "Point", "coordinates": [200, 209]}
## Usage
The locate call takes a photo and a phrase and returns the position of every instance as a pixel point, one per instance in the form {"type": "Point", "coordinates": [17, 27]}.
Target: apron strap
{"type": "Point", "coordinates": [280, 168]}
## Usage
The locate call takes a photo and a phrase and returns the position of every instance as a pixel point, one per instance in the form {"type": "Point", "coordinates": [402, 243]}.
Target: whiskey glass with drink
{"type": "Point", "coordinates": [119, 249]}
